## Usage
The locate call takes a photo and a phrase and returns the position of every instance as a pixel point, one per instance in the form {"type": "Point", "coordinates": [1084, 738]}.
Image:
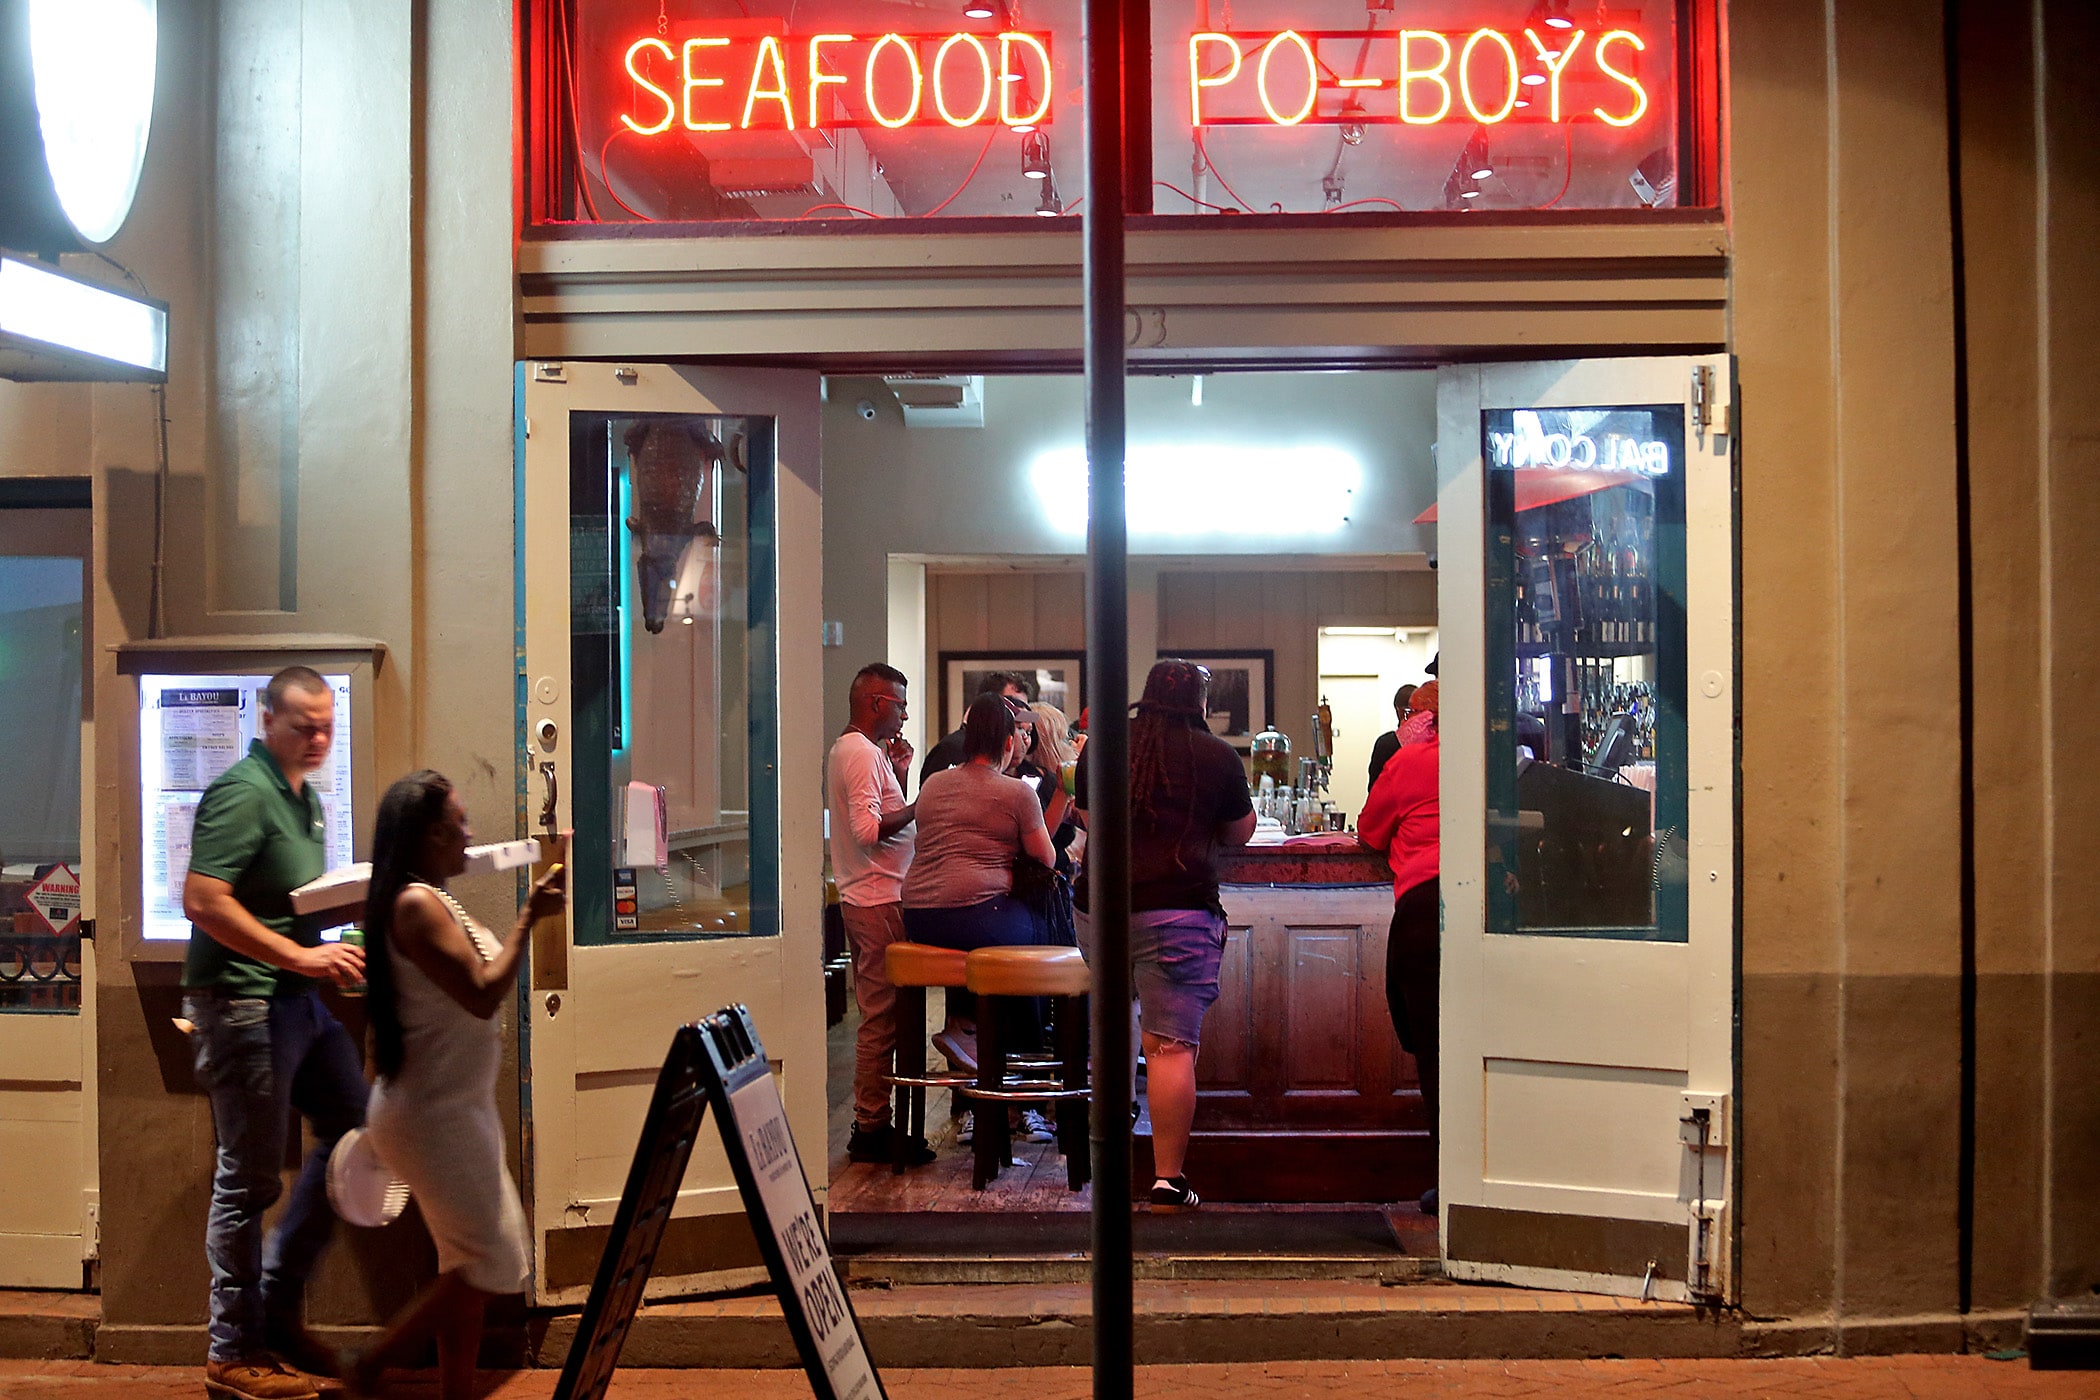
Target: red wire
{"type": "Point", "coordinates": [855, 208]}
{"type": "Point", "coordinates": [1377, 199]}
{"type": "Point", "coordinates": [1204, 146]}
{"type": "Point", "coordinates": [1567, 162]}
{"type": "Point", "coordinates": [606, 180]}
{"type": "Point", "coordinates": [1167, 185]}
{"type": "Point", "coordinates": [966, 179]}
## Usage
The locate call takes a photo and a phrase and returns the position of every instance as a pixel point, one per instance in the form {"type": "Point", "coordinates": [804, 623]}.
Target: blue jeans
{"type": "Point", "coordinates": [259, 1058]}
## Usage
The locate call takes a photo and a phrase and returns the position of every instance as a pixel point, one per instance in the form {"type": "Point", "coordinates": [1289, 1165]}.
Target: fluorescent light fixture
{"type": "Point", "coordinates": [1179, 489]}
{"type": "Point", "coordinates": [70, 315]}
{"type": "Point", "coordinates": [94, 63]}
{"type": "Point", "coordinates": [1363, 631]}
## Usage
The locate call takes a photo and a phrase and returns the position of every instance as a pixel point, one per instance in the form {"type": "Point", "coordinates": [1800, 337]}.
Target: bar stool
{"type": "Point", "coordinates": [996, 974]}
{"type": "Point", "coordinates": [912, 968]}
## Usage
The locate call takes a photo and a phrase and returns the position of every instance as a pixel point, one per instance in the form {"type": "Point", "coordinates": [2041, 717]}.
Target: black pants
{"type": "Point", "coordinates": [1413, 964]}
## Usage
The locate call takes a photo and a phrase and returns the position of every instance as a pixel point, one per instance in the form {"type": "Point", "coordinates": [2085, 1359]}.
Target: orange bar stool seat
{"type": "Point", "coordinates": [912, 968]}
{"type": "Point", "coordinates": [997, 976]}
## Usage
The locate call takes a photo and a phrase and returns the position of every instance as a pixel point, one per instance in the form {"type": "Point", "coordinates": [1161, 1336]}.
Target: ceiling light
{"type": "Point", "coordinates": [1035, 156]}
{"type": "Point", "coordinates": [1486, 172]}
{"type": "Point", "coordinates": [977, 9]}
{"type": "Point", "coordinates": [1532, 79]}
{"type": "Point", "coordinates": [1202, 488]}
{"type": "Point", "coordinates": [1469, 194]}
{"type": "Point", "coordinates": [1049, 206]}
{"type": "Point", "coordinates": [1523, 102]}
{"type": "Point", "coordinates": [91, 66]}
{"type": "Point", "coordinates": [1557, 15]}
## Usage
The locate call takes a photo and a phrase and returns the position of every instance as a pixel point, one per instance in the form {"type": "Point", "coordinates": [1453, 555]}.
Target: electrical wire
{"type": "Point", "coordinates": [606, 180]}
{"type": "Point", "coordinates": [1203, 149]}
{"type": "Point", "coordinates": [567, 65]}
{"type": "Point", "coordinates": [966, 179]}
{"type": "Point", "coordinates": [853, 208]}
{"type": "Point", "coordinates": [1567, 163]}
{"type": "Point", "coordinates": [1169, 185]}
{"type": "Point", "coordinates": [1374, 199]}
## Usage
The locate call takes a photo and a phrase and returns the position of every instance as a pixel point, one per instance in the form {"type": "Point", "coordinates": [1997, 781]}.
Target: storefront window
{"type": "Point", "coordinates": [1585, 654]}
{"type": "Point", "coordinates": [672, 587]}
{"type": "Point", "coordinates": [643, 111]}
{"type": "Point", "coordinates": [41, 623]}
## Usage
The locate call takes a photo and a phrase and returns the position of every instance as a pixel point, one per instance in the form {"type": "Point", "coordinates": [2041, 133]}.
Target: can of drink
{"type": "Point", "coordinates": [353, 938]}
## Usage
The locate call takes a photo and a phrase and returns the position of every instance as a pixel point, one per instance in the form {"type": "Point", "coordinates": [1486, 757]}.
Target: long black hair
{"type": "Point", "coordinates": [1176, 698]}
{"type": "Point", "coordinates": [410, 808]}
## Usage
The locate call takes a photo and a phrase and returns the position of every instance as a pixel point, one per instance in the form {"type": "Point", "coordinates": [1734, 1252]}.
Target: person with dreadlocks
{"type": "Point", "coordinates": [1188, 804]}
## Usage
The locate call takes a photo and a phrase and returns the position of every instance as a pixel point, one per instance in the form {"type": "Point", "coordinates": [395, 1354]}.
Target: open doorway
{"type": "Point", "coordinates": [1266, 508]}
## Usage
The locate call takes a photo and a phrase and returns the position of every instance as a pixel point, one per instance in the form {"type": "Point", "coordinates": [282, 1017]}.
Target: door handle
{"type": "Point", "coordinates": [547, 807]}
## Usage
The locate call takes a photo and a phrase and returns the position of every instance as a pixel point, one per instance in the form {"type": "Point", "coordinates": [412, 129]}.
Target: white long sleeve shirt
{"type": "Point", "coordinates": [861, 786]}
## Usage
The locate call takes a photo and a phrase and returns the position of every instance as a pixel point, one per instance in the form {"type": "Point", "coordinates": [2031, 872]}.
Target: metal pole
{"type": "Point", "coordinates": [1108, 685]}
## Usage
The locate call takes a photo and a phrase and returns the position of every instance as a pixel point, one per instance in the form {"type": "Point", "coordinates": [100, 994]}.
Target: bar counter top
{"type": "Point", "coordinates": [1331, 859]}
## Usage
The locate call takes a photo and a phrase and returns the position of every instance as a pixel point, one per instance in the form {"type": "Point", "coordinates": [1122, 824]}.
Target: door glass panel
{"type": "Point", "coordinates": [672, 601]}
{"type": "Point", "coordinates": [40, 668]}
{"type": "Point", "coordinates": [1585, 656]}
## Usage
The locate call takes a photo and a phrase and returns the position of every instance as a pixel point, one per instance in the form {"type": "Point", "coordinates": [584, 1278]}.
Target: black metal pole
{"type": "Point", "coordinates": [1108, 686]}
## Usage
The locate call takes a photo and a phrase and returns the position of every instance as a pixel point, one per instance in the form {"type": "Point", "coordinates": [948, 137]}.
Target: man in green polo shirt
{"type": "Point", "coordinates": [264, 1042]}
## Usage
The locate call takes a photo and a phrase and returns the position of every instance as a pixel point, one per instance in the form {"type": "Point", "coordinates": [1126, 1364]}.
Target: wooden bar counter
{"type": "Point", "coordinates": [1304, 1092]}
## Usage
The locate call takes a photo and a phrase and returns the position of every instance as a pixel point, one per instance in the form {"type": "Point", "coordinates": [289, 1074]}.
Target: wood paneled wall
{"type": "Point", "coordinates": [1280, 610]}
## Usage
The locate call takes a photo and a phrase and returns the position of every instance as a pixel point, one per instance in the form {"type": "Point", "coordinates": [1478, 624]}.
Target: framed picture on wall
{"type": "Point", "coordinates": [1053, 677]}
{"type": "Point", "coordinates": [1242, 691]}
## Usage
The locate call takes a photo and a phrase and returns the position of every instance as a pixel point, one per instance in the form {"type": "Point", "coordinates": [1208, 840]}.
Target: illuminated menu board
{"type": "Point", "coordinates": [192, 728]}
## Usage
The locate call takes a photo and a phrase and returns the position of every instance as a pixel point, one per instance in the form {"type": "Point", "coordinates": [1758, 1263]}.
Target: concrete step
{"type": "Point", "coordinates": [1241, 1320]}
{"type": "Point", "coordinates": [877, 1270]}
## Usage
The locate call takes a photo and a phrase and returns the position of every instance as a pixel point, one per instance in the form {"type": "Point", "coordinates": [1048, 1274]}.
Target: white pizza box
{"type": "Point", "coordinates": [347, 885]}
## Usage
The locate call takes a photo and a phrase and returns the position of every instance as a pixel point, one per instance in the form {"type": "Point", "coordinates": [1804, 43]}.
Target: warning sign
{"type": "Point", "coordinates": [56, 900]}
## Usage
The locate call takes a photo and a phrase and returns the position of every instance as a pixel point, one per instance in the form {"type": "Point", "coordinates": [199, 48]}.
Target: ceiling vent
{"type": "Point", "coordinates": [939, 400]}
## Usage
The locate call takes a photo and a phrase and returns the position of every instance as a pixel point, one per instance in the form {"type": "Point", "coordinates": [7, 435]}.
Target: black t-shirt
{"type": "Point", "coordinates": [1382, 752]}
{"type": "Point", "coordinates": [946, 754]}
{"type": "Point", "coordinates": [1174, 851]}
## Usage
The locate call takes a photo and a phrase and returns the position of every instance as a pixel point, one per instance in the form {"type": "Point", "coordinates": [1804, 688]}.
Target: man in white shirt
{"type": "Point", "coordinates": [871, 847]}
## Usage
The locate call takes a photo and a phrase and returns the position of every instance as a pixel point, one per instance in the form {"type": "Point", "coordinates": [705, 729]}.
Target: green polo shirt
{"type": "Point", "coordinates": [265, 840]}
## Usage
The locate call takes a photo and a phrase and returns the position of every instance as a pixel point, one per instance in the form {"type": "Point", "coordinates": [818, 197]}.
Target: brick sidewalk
{"type": "Point", "coordinates": [1863, 1378]}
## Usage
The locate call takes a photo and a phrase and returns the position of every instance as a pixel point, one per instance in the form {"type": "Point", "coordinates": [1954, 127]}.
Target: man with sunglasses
{"type": "Point", "coordinates": [871, 848]}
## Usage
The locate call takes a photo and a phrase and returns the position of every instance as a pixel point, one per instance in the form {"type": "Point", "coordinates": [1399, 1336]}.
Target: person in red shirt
{"type": "Point", "coordinates": [1400, 817]}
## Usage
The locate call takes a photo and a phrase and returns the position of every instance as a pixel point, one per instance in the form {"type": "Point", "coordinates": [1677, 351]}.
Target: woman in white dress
{"type": "Point", "coordinates": [437, 982]}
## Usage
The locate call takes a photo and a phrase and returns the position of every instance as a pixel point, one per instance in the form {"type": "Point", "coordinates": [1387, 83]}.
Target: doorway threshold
{"type": "Point", "coordinates": [1367, 1243]}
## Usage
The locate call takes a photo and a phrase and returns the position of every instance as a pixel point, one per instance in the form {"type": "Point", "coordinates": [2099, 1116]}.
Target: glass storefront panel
{"type": "Point", "coordinates": [1586, 681]}
{"type": "Point", "coordinates": [41, 629]}
{"type": "Point", "coordinates": [682, 111]}
{"type": "Point", "coordinates": [672, 653]}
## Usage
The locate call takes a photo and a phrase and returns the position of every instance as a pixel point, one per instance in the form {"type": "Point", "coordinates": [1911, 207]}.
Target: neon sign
{"type": "Point", "coordinates": [1423, 77]}
{"type": "Point", "coordinates": [712, 82]}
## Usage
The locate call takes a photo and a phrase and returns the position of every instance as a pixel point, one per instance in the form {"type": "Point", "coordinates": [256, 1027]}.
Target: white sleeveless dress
{"type": "Point", "coordinates": [435, 1124]}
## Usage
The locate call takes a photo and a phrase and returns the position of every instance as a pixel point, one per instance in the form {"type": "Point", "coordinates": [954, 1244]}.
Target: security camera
{"type": "Point", "coordinates": [866, 408]}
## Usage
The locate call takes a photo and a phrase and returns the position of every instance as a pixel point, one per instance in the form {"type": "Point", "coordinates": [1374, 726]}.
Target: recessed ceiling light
{"type": "Point", "coordinates": [977, 9]}
{"type": "Point", "coordinates": [1469, 194]}
{"type": "Point", "coordinates": [1532, 79]}
{"type": "Point", "coordinates": [1485, 172]}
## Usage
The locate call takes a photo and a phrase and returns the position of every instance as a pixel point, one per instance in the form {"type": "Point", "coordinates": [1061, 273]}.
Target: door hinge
{"type": "Point", "coordinates": [1709, 402]}
{"type": "Point", "coordinates": [550, 372]}
{"type": "Point", "coordinates": [87, 930]}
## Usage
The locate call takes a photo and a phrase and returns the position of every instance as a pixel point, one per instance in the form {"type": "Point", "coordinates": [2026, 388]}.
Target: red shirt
{"type": "Point", "coordinates": [1400, 816]}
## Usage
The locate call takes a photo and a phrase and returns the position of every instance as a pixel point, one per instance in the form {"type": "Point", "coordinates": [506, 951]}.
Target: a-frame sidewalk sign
{"type": "Point", "coordinates": [720, 1063]}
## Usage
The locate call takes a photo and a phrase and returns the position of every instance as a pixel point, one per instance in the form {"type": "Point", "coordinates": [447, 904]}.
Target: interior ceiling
{"type": "Point", "coordinates": [978, 172]}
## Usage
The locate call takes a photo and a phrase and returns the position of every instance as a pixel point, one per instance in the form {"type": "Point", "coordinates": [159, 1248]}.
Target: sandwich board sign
{"type": "Point", "coordinates": [55, 899]}
{"type": "Point", "coordinates": [720, 1063]}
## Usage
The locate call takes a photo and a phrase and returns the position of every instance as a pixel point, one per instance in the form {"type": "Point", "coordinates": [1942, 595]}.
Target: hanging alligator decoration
{"type": "Point", "coordinates": [671, 461]}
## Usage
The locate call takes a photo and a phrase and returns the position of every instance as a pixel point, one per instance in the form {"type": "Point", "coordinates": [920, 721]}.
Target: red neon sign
{"type": "Point", "coordinates": [720, 80]}
{"type": "Point", "coordinates": [707, 82]}
{"type": "Point", "coordinates": [1425, 77]}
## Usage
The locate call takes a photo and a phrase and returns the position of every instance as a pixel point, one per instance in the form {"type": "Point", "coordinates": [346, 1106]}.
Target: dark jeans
{"type": "Point", "coordinates": [999, 922]}
{"type": "Point", "coordinates": [1413, 965]}
{"type": "Point", "coordinates": [259, 1058]}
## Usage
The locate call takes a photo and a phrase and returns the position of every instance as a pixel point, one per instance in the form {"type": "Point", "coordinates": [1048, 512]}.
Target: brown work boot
{"type": "Point", "coordinates": [256, 1378]}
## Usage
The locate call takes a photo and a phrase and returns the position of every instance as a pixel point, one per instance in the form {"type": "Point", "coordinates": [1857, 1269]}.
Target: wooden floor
{"type": "Point", "coordinates": [1035, 1182]}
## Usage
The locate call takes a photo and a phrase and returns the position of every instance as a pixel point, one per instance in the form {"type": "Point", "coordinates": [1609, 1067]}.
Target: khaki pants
{"type": "Point", "coordinates": [872, 929]}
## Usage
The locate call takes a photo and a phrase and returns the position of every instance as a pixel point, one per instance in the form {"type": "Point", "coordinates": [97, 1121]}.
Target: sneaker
{"type": "Point", "coordinates": [256, 1378]}
{"type": "Point", "coordinates": [1174, 1194]}
{"type": "Point", "coordinates": [879, 1144]}
{"type": "Point", "coordinates": [959, 1048]}
{"type": "Point", "coordinates": [1037, 1128]}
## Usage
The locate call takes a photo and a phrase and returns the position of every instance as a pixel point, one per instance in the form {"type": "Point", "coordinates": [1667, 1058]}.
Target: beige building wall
{"type": "Point", "coordinates": [332, 229]}
{"type": "Point", "coordinates": [1844, 317]}
{"type": "Point", "coordinates": [327, 206]}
